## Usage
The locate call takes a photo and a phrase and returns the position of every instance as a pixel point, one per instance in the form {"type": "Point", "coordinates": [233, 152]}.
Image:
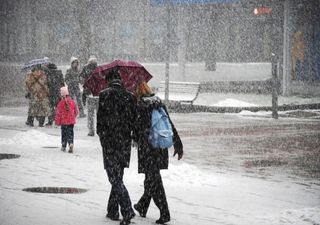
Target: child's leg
{"type": "Point", "coordinates": [64, 136]}
{"type": "Point", "coordinates": [70, 134]}
{"type": "Point", "coordinates": [70, 138]}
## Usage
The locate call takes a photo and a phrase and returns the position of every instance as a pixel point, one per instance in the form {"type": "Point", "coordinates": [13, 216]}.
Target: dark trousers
{"type": "Point", "coordinates": [118, 194]}
{"type": "Point", "coordinates": [66, 135]}
{"type": "Point", "coordinates": [41, 120]}
{"type": "Point", "coordinates": [153, 188]}
{"type": "Point", "coordinates": [52, 105]}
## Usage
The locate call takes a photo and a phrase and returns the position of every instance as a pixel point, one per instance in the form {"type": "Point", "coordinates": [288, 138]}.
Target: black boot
{"type": "Point", "coordinates": [114, 217]}
{"type": "Point", "coordinates": [140, 210]}
{"type": "Point", "coordinates": [127, 220]}
{"type": "Point", "coordinates": [164, 218]}
{"type": "Point", "coordinates": [30, 120]}
{"type": "Point", "coordinates": [41, 121]}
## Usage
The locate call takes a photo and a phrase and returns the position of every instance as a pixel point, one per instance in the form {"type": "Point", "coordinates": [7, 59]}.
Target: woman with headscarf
{"type": "Point", "coordinates": [151, 160]}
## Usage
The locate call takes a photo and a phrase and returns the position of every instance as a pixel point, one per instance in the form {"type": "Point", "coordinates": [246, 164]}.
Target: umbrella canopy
{"type": "Point", "coordinates": [131, 72]}
{"type": "Point", "coordinates": [35, 62]}
{"type": "Point", "coordinates": [95, 83]}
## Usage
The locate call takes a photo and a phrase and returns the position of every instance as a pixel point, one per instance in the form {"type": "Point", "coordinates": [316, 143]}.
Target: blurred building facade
{"type": "Point", "coordinates": [301, 47]}
{"type": "Point", "coordinates": [214, 30]}
{"type": "Point", "coordinates": [137, 30]}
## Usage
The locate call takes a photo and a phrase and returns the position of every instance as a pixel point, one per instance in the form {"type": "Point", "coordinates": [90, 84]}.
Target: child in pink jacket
{"type": "Point", "coordinates": [66, 113]}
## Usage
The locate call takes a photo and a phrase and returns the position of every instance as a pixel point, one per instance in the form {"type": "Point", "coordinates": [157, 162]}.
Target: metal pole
{"type": "Point", "coordinates": [166, 93]}
{"type": "Point", "coordinates": [286, 50]}
{"type": "Point", "coordinates": [274, 66]}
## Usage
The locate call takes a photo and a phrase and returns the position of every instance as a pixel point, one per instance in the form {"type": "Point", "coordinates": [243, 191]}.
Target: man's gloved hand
{"type": "Point", "coordinates": [178, 149]}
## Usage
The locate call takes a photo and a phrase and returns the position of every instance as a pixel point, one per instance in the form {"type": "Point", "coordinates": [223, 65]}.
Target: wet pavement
{"type": "Point", "coordinates": [289, 146]}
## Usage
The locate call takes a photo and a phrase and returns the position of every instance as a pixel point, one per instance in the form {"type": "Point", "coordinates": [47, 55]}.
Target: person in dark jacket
{"type": "Point", "coordinates": [72, 81]}
{"type": "Point", "coordinates": [55, 82]}
{"type": "Point", "coordinates": [115, 117]}
{"type": "Point", "coordinates": [151, 160]}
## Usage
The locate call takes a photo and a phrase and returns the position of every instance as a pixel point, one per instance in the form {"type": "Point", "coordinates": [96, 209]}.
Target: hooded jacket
{"type": "Point", "coordinates": [66, 112]}
{"type": "Point", "coordinates": [72, 76]}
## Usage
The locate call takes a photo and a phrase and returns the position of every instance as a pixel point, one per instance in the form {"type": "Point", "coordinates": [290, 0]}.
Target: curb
{"type": "Point", "coordinates": [188, 108]}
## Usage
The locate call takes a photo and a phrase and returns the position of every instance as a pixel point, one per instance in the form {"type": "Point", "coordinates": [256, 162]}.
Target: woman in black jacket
{"type": "Point", "coordinates": [151, 160]}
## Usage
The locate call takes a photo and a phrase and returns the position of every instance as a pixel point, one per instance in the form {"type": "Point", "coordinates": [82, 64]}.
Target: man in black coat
{"type": "Point", "coordinates": [55, 82]}
{"type": "Point", "coordinates": [115, 118]}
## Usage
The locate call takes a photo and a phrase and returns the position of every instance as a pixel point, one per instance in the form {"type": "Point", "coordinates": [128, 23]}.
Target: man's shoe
{"type": "Point", "coordinates": [127, 220]}
{"type": "Point", "coordinates": [141, 212]}
{"type": "Point", "coordinates": [113, 217]}
{"type": "Point", "coordinates": [163, 219]}
{"type": "Point", "coordinates": [63, 149]}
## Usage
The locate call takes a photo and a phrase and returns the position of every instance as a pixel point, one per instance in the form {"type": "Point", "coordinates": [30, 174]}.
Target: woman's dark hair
{"type": "Point", "coordinates": [113, 75]}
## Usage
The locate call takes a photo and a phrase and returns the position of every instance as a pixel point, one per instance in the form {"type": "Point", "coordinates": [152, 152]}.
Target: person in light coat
{"type": "Point", "coordinates": [38, 92]}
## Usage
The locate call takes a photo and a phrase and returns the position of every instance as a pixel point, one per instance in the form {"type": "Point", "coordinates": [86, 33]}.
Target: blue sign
{"type": "Point", "coordinates": [180, 2]}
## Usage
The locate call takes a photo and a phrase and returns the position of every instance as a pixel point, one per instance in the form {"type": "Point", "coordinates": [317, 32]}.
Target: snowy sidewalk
{"type": "Point", "coordinates": [195, 195]}
{"type": "Point", "coordinates": [251, 100]}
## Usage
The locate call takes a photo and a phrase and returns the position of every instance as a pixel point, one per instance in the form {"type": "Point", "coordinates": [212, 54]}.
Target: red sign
{"type": "Point", "coordinates": [262, 10]}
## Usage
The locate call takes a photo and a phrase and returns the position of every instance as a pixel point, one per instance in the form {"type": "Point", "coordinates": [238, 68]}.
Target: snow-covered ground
{"type": "Point", "coordinates": [248, 100]}
{"type": "Point", "coordinates": [196, 194]}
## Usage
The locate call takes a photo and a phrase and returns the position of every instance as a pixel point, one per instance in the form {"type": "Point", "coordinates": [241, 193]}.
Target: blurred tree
{"type": "Point", "coordinates": [82, 11]}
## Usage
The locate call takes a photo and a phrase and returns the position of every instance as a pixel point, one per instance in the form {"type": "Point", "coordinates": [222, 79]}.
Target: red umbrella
{"type": "Point", "coordinates": [95, 83]}
{"type": "Point", "coordinates": [131, 72]}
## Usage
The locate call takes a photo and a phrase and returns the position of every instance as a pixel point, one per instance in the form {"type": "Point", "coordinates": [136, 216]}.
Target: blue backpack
{"type": "Point", "coordinates": [161, 135]}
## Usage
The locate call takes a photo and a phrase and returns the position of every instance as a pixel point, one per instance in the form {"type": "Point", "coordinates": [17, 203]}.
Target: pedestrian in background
{"type": "Point", "coordinates": [115, 120]}
{"type": "Point", "coordinates": [150, 159]}
{"type": "Point", "coordinates": [87, 70]}
{"type": "Point", "coordinates": [55, 82]}
{"type": "Point", "coordinates": [72, 81]}
{"type": "Point", "coordinates": [87, 98]}
{"type": "Point", "coordinates": [66, 114]}
{"type": "Point", "coordinates": [37, 92]}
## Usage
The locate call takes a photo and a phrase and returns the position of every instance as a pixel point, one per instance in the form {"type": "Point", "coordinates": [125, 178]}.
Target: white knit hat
{"type": "Point", "coordinates": [92, 59]}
